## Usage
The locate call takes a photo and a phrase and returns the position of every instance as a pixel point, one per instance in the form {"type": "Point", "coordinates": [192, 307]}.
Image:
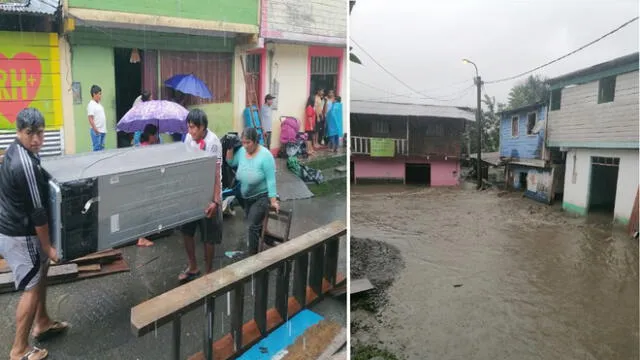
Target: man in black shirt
{"type": "Point", "coordinates": [24, 233]}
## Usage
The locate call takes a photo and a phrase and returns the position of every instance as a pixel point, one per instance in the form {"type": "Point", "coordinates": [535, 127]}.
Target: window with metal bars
{"type": "Point", "coordinates": [605, 161]}
{"type": "Point", "coordinates": [253, 63]}
{"type": "Point", "coordinates": [324, 65]}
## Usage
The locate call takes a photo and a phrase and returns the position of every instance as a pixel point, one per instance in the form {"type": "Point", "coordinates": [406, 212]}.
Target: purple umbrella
{"type": "Point", "coordinates": [168, 116]}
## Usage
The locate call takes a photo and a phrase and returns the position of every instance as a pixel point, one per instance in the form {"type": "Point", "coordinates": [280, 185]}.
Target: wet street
{"type": "Point", "coordinates": [490, 276]}
{"type": "Point", "coordinates": [99, 309]}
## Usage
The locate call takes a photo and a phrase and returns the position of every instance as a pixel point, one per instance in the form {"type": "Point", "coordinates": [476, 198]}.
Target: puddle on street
{"type": "Point", "coordinates": [496, 277]}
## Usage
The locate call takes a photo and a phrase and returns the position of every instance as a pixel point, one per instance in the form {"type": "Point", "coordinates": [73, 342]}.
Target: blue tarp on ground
{"type": "Point", "coordinates": [284, 336]}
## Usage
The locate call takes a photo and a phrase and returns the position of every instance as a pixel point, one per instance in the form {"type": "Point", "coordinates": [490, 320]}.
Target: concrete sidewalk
{"type": "Point", "coordinates": [99, 309]}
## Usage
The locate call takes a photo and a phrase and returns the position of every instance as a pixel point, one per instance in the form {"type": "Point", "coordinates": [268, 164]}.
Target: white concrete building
{"type": "Point", "coordinates": [302, 46]}
{"type": "Point", "coordinates": [593, 119]}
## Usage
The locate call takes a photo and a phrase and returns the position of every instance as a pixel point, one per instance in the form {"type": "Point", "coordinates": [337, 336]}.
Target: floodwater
{"type": "Point", "coordinates": [490, 275]}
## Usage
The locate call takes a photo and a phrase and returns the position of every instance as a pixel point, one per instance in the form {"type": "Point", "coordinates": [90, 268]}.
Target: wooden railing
{"type": "Point", "coordinates": [313, 255]}
{"type": "Point", "coordinates": [362, 145]}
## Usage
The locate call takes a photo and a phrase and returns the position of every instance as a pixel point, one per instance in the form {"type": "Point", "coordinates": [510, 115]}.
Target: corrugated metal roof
{"type": "Point", "coordinates": [399, 109]}
{"type": "Point", "coordinates": [43, 7]}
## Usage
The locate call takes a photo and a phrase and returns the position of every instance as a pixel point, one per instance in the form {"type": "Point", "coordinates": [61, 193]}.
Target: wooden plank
{"type": "Point", "coordinates": [115, 267]}
{"type": "Point", "coordinates": [160, 309]}
{"type": "Point", "coordinates": [105, 255]}
{"type": "Point", "coordinates": [335, 345]}
{"type": "Point", "coordinates": [54, 274]}
{"type": "Point", "coordinates": [342, 355]}
{"type": "Point", "coordinates": [89, 267]}
{"type": "Point", "coordinates": [314, 341]}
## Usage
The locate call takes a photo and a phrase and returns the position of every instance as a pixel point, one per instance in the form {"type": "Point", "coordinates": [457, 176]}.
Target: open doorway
{"type": "Point", "coordinates": [417, 174]}
{"type": "Point", "coordinates": [522, 179]}
{"type": "Point", "coordinates": [604, 181]}
{"type": "Point", "coordinates": [128, 87]}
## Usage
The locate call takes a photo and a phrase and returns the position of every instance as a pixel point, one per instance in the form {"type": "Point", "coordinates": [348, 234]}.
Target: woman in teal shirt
{"type": "Point", "coordinates": [257, 176]}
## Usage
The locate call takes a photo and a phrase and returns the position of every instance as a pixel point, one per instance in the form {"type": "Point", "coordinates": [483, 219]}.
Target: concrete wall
{"type": "Point", "coordinates": [379, 169]}
{"type": "Point", "coordinates": [93, 65]}
{"type": "Point", "coordinates": [232, 11]}
{"type": "Point", "coordinates": [69, 126]}
{"type": "Point", "coordinates": [312, 21]}
{"type": "Point", "coordinates": [522, 146]}
{"type": "Point", "coordinates": [443, 172]}
{"type": "Point", "coordinates": [539, 182]}
{"type": "Point", "coordinates": [582, 122]}
{"type": "Point", "coordinates": [578, 180]}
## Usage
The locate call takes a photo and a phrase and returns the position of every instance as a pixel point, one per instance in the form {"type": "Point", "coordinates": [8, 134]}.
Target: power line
{"type": "Point", "coordinates": [564, 56]}
{"type": "Point", "coordinates": [456, 95]}
{"type": "Point", "coordinates": [387, 71]}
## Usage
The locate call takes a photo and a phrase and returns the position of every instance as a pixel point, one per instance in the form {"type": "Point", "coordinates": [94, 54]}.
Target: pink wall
{"type": "Point", "coordinates": [443, 172]}
{"type": "Point", "coordinates": [379, 169]}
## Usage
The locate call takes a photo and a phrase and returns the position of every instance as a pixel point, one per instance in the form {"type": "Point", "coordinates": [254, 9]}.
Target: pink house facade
{"type": "Point", "coordinates": [407, 143]}
{"type": "Point", "coordinates": [295, 56]}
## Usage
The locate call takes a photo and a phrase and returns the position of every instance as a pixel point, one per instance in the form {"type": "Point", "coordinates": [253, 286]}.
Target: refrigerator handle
{"type": "Point", "coordinates": [87, 206]}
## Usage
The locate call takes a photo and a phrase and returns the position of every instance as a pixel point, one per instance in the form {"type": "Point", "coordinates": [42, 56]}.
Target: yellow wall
{"type": "Point", "coordinates": [30, 77]}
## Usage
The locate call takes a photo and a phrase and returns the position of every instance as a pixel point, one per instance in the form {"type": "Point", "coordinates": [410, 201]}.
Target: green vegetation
{"type": "Point", "coordinates": [367, 352]}
{"type": "Point", "coordinates": [326, 162]}
{"type": "Point", "coordinates": [334, 186]}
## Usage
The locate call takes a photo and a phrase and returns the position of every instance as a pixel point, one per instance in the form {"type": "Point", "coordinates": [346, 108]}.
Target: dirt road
{"type": "Point", "coordinates": [468, 275]}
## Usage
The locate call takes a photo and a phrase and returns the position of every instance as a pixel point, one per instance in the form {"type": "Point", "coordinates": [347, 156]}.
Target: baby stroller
{"type": "Point", "coordinates": [292, 142]}
{"type": "Point", "coordinates": [230, 186]}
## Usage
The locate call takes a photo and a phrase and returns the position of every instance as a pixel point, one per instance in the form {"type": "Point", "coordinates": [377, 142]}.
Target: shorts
{"type": "Point", "coordinates": [212, 232]}
{"type": "Point", "coordinates": [25, 258]}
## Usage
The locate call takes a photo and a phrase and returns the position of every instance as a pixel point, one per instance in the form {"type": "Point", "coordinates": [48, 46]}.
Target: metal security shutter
{"type": "Point", "coordinates": [53, 142]}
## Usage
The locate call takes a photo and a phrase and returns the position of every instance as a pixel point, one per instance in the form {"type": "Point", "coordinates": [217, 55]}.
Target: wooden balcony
{"type": "Point", "coordinates": [361, 145]}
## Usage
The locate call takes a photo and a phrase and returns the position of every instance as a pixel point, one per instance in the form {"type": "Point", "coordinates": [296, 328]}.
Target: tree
{"type": "Point", "coordinates": [528, 92]}
{"type": "Point", "coordinates": [491, 124]}
{"type": "Point", "coordinates": [490, 128]}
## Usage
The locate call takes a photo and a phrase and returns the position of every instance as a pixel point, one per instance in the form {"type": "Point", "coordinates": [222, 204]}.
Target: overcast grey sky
{"type": "Point", "coordinates": [423, 41]}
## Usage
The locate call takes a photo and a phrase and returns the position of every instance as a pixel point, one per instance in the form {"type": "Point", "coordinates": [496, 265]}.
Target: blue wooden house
{"type": "Point", "coordinates": [528, 163]}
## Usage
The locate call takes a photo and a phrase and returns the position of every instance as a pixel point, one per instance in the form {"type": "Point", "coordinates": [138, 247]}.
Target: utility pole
{"type": "Point", "coordinates": [478, 82]}
{"type": "Point", "coordinates": [479, 121]}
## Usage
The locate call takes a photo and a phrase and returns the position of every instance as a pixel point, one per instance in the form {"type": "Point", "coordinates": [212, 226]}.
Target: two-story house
{"type": "Point", "coordinates": [528, 163]}
{"type": "Point", "coordinates": [129, 46]}
{"type": "Point", "coordinates": [302, 48]}
{"type": "Point", "coordinates": [408, 143]}
{"type": "Point", "coordinates": [30, 68]}
{"type": "Point", "coordinates": [593, 119]}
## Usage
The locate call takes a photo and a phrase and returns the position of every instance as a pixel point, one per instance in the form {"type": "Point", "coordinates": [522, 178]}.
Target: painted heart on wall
{"type": "Point", "coordinates": [20, 78]}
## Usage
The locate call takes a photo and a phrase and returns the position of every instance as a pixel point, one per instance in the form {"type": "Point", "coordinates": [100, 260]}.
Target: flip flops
{"type": "Point", "coordinates": [56, 328]}
{"type": "Point", "coordinates": [35, 354]}
{"type": "Point", "coordinates": [188, 276]}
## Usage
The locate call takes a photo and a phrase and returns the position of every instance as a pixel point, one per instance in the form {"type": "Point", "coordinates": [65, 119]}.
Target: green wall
{"type": "Point", "coordinates": [150, 40]}
{"type": "Point", "coordinates": [220, 117]}
{"type": "Point", "coordinates": [231, 11]}
{"type": "Point", "coordinates": [93, 65]}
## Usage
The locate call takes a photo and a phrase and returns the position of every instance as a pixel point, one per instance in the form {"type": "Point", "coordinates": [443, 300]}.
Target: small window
{"type": "Point", "coordinates": [556, 96]}
{"type": "Point", "coordinates": [514, 127]}
{"type": "Point", "coordinates": [531, 123]}
{"type": "Point", "coordinates": [381, 127]}
{"type": "Point", "coordinates": [606, 89]}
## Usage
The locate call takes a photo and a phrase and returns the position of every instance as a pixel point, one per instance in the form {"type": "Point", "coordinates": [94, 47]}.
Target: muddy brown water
{"type": "Point", "coordinates": [494, 276]}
